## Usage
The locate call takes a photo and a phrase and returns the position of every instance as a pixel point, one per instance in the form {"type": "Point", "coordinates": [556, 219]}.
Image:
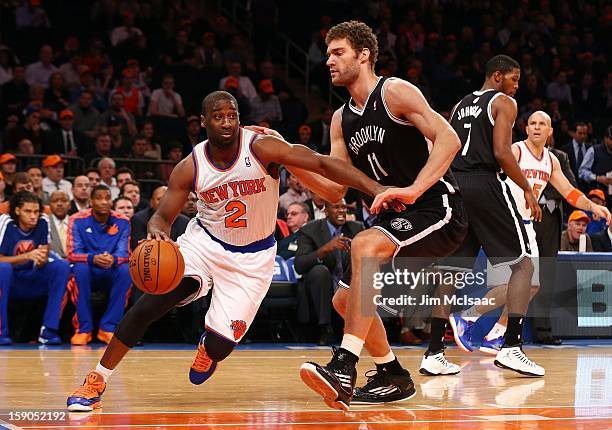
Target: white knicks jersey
{"type": "Point", "coordinates": [536, 170]}
{"type": "Point", "coordinates": [237, 205]}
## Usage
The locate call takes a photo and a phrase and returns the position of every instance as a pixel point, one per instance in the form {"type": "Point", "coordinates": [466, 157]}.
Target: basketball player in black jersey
{"type": "Point", "coordinates": [384, 131]}
{"type": "Point", "coordinates": [484, 120]}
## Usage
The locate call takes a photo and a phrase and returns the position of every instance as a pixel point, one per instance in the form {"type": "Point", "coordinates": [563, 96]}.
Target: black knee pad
{"type": "Point", "coordinates": [217, 347]}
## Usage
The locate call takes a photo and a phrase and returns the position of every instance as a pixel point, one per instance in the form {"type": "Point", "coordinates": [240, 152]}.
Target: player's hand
{"type": "Point", "coordinates": [158, 235]}
{"type": "Point", "coordinates": [264, 130]}
{"type": "Point", "coordinates": [601, 212]}
{"type": "Point", "coordinates": [532, 204]}
{"type": "Point", "coordinates": [385, 200]}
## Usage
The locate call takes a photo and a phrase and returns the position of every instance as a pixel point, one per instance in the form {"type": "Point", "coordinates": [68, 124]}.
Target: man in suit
{"type": "Point", "coordinates": [68, 140]}
{"type": "Point", "coordinates": [323, 258]}
{"type": "Point", "coordinates": [316, 206]}
{"type": "Point", "coordinates": [58, 222]}
{"type": "Point", "coordinates": [576, 150]}
{"type": "Point", "coordinates": [81, 192]}
{"type": "Point", "coordinates": [548, 237]}
{"type": "Point", "coordinates": [297, 217]}
{"type": "Point", "coordinates": [602, 241]}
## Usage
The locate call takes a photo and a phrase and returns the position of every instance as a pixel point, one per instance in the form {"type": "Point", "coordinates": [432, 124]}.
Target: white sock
{"type": "Point", "coordinates": [352, 343]}
{"type": "Point", "coordinates": [498, 330]}
{"type": "Point", "coordinates": [104, 371]}
{"type": "Point", "coordinates": [470, 314]}
{"type": "Point", "coordinates": [385, 359]}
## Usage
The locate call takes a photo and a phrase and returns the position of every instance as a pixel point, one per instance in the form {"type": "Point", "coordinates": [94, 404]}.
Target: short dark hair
{"type": "Point", "coordinates": [302, 205]}
{"type": "Point", "coordinates": [122, 190]}
{"type": "Point", "coordinates": [18, 199]}
{"type": "Point", "coordinates": [580, 124]}
{"type": "Point", "coordinates": [99, 188]}
{"type": "Point", "coordinates": [30, 167]}
{"type": "Point", "coordinates": [358, 34]}
{"type": "Point", "coordinates": [21, 178]}
{"type": "Point", "coordinates": [92, 169]}
{"type": "Point", "coordinates": [121, 198]}
{"type": "Point", "coordinates": [125, 170]}
{"type": "Point", "coordinates": [501, 63]}
{"type": "Point", "coordinates": [210, 100]}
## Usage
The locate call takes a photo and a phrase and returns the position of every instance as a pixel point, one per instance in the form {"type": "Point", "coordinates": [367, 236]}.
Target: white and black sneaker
{"type": "Point", "coordinates": [437, 364]}
{"type": "Point", "coordinates": [334, 382]}
{"type": "Point", "coordinates": [513, 358]}
{"type": "Point", "coordinates": [383, 387]}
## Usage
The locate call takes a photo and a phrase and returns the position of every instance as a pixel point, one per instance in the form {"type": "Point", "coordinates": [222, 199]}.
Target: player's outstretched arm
{"type": "Point", "coordinates": [179, 186]}
{"type": "Point", "coordinates": [405, 101]}
{"type": "Point", "coordinates": [573, 196]}
{"type": "Point", "coordinates": [271, 149]}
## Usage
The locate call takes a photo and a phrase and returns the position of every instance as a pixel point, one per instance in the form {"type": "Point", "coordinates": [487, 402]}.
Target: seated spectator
{"type": "Point", "coordinates": [297, 216]}
{"type": "Point", "coordinates": [602, 241]}
{"type": "Point", "coordinates": [102, 149]}
{"type": "Point", "coordinates": [191, 206]}
{"type": "Point", "coordinates": [126, 34]}
{"type": "Point", "coordinates": [31, 130]}
{"type": "Point", "coordinates": [15, 92]}
{"type": "Point", "coordinates": [86, 116]}
{"type": "Point", "coordinates": [21, 182]}
{"type": "Point", "coordinates": [132, 97]}
{"type": "Point", "coordinates": [93, 174]}
{"type": "Point", "coordinates": [8, 167]}
{"type": "Point", "coordinates": [295, 193]}
{"type": "Point", "coordinates": [245, 85]}
{"type": "Point", "coordinates": [81, 191]}
{"type": "Point", "coordinates": [71, 71]}
{"type": "Point", "coordinates": [56, 96]}
{"type": "Point", "coordinates": [106, 167]}
{"type": "Point", "coordinates": [266, 106]}
{"type": "Point", "coordinates": [141, 219]}
{"type": "Point", "coordinates": [123, 175]}
{"type": "Point", "coordinates": [120, 146]}
{"type": "Point", "coordinates": [175, 154]}
{"type": "Point", "coordinates": [207, 55]}
{"type": "Point", "coordinates": [316, 206]}
{"type": "Point", "coordinates": [58, 222]}
{"type": "Point", "coordinates": [98, 246]}
{"type": "Point", "coordinates": [323, 258]}
{"type": "Point", "coordinates": [305, 137]}
{"type": "Point", "coordinates": [38, 73]}
{"type": "Point", "coordinates": [117, 111]}
{"type": "Point", "coordinates": [165, 101]}
{"type": "Point", "coordinates": [124, 206]}
{"type": "Point", "coordinates": [576, 227]}
{"type": "Point", "coordinates": [68, 140]}
{"type": "Point", "coordinates": [193, 134]}
{"type": "Point", "coordinates": [596, 168]}
{"type": "Point", "coordinates": [320, 130]}
{"type": "Point", "coordinates": [35, 174]}
{"type": "Point", "coordinates": [25, 147]}
{"type": "Point", "coordinates": [25, 269]}
{"type": "Point", "coordinates": [131, 190]}
{"type": "Point", "coordinates": [148, 131]}
{"type": "Point", "coordinates": [53, 167]}
{"type": "Point", "coordinates": [140, 147]}
{"type": "Point", "coordinates": [597, 224]}
{"type": "Point", "coordinates": [232, 87]}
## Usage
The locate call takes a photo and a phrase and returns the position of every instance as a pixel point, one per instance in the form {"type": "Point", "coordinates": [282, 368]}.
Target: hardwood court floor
{"type": "Point", "coordinates": [261, 389]}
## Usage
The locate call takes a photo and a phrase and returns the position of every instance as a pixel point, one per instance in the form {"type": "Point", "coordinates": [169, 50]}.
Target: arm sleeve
{"type": "Point", "coordinates": [584, 170]}
{"type": "Point", "coordinates": [122, 249]}
{"type": "Point", "coordinates": [75, 247]}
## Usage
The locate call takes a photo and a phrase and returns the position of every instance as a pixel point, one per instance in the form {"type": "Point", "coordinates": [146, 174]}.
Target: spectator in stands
{"type": "Point", "coordinates": [596, 168]}
{"type": "Point", "coordinates": [59, 203]}
{"type": "Point", "coordinates": [68, 140]}
{"type": "Point", "coordinates": [21, 182]}
{"type": "Point", "coordinates": [266, 106]}
{"type": "Point", "coordinates": [577, 148]}
{"type": "Point", "coordinates": [106, 167]}
{"type": "Point", "coordinates": [8, 167]}
{"type": "Point", "coordinates": [119, 141]}
{"type": "Point", "coordinates": [25, 147]}
{"type": "Point", "coordinates": [165, 101]}
{"type": "Point", "coordinates": [98, 246]}
{"type": "Point", "coordinates": [141, 219]}
{"type": "Point", "coordinates": [131, 190]}
{"type": "Point", "coordinates": [322, 258]}
{"type": "Point", "coordinates": [363, 214]}
{"type": "Point", "coordinates": [295, 193]}
{"type": "Point", "coordinates": [25, 269]}
{"type": "Point", "coordinates": [30, 16]}
{"type": "Point", "coordinates": [175, 154]}
{"type": "Point", "coordinates": [71, 71]}
{"type": "Point", "coordinates": [597, 224]}
{"type": "Point", "coordinates": [102, 149]}
{"type": "Point", "coordinates": [232, 87]}
{"type": "Point", "coordinates": [89, 83]}
{"type": "Point", "coordinates": [576, 227]}
{"type": "Point", "coordinates": [193, 134]}
{"type": "Point", "coordinates": [148, 131]}
{"type": "Point", "coordinates": [297, 216]}
{"type": "Point", "coordinates": [305, 137]}
{"type": "Point", "coordinates": [117, 111]}
{"type": "Point", "coordinates": [86, 116]}
{"type": "Point", "coordinates": [15, 92]}
{"type": "Point", "coordinates": [191, 206]}
{"type": "Point", "coordinates": [266, 71]}
{"type": "Point", "coordinates": [245, 85]}
{"type": "Point", "coordinates": [36, 175]}
{"type": "Point", "coordinates": [320, 130]}
{"type": "Point", "coordinates": [133, 99]}
{"type": "Point", "coordinates": [124, 206]}
{"type": "Point", "coordinates": [126, 34]}
{"type": "Point", "coordinates": [123, 175]}
{"type": "Point", "coordinates": [559, 89]}
{"type": "Point", "coordinates": [53, 167]}
{"type": "Point", "coordinates": [316, 206]}
{"type": "Point", "coordinates": [207, 56]}
{"type": "Point", "coordinates": [2, 189]}
{"type": "Point", "coordinates": [93, 174]}
{"type": "Point", "coordinates": [56, 95]}
{"type": "Point", "coordinates": [81, 191]}
{"type": "Point", "coordinates": [602, 241]}
{"type": "Point", "coordinates": [38, 73]}
{"type": "Point", "coordinates": [31, 130]}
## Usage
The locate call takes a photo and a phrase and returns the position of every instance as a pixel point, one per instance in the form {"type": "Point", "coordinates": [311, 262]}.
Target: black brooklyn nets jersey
{"type": "Point", "coordinates": [473, 122]}
{"type": "Point", "coordinates": [389, 150]}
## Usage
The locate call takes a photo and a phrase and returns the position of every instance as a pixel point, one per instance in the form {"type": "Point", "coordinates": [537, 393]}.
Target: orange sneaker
{"type": "Point", "coordinates": [203, 366]}
{"type": "Point", "coordinates": [81, 339]}
{"type": "Point", "coordinates": [88, 396]}
{"type": "Point", "coordinates": [104, 336]}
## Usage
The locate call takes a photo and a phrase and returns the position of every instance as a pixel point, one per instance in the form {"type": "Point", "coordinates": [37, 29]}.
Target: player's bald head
{"type": "Point", "coordinates": [541, 114]}
{"type": "Point", "coordinates": [213, 99]}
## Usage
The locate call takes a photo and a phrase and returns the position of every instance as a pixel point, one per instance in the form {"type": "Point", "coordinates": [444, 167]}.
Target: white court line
{"type": "Point", "coordinates": [319, 423]}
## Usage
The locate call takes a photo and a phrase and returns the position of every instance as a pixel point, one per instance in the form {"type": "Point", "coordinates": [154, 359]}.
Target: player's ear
{"type": "Point", "coordinates": [202, 119]}
{"type": "Point", "coordinates": [365, 55]}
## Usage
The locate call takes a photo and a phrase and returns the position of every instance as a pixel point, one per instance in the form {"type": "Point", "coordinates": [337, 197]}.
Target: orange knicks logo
{"type": "Point", "coordinates": [23, 246]}
{"type": "Point", "coordinates": [113, 230]}
{"type": "Point", "coordinates": [239, 327]}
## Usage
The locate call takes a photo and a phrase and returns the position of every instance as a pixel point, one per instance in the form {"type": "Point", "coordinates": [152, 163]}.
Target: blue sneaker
{"type": "Point", "coordinates": [491, 347]}
{"type": "Point", "coordinates": [462, 331]}
{"type": "Point", "coordinates": [5, 340]}
{"type": "Point", "coordinates": [203, 366]}
{"type": "Point", "coordinates": [48, 336]}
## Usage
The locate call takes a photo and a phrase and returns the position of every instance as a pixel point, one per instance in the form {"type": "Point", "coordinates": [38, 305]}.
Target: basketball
{"type": "Point", "coordinates": [156, 266]}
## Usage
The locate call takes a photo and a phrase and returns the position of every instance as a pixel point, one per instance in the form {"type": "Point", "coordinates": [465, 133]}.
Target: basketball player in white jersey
{"type": "Point", "coordinates": [540, 167]}
{"type": "Point", "coordinates": [229, 246]}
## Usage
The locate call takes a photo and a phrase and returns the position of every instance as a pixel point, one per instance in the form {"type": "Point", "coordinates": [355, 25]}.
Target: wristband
{"type": "Point", "coordinates": [573, 196]}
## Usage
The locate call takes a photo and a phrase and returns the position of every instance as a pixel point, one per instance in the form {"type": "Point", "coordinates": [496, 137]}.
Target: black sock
{"type": "Point", "coordinates": [347, 356]}
{"type": "Point", "coordinates": [436, 338]}
{"type": "Point", "coordinates": [514, 332]}
{"type": "Point", "coordinates": [393, 367]}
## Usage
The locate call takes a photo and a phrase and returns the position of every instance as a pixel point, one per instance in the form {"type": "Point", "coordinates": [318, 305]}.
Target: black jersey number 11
{"type": "Point", "coordinates": [374, 161]}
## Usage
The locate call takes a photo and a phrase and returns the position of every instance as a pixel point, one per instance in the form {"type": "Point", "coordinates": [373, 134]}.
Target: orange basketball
{"type": "Point", "coordinates": [156, 266]}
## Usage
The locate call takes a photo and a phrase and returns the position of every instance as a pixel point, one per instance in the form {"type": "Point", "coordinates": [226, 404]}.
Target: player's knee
{"type": "Point", "coordinates": [525, 265]}
{"type": "Point", "coordinates": [534, 290]}
{"type": "Point", "coordinates": [371, 245]}
{"type": "Point", "coordinates": [339, 301]}
{"type": "Point", "coordinates": [217, 347]}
